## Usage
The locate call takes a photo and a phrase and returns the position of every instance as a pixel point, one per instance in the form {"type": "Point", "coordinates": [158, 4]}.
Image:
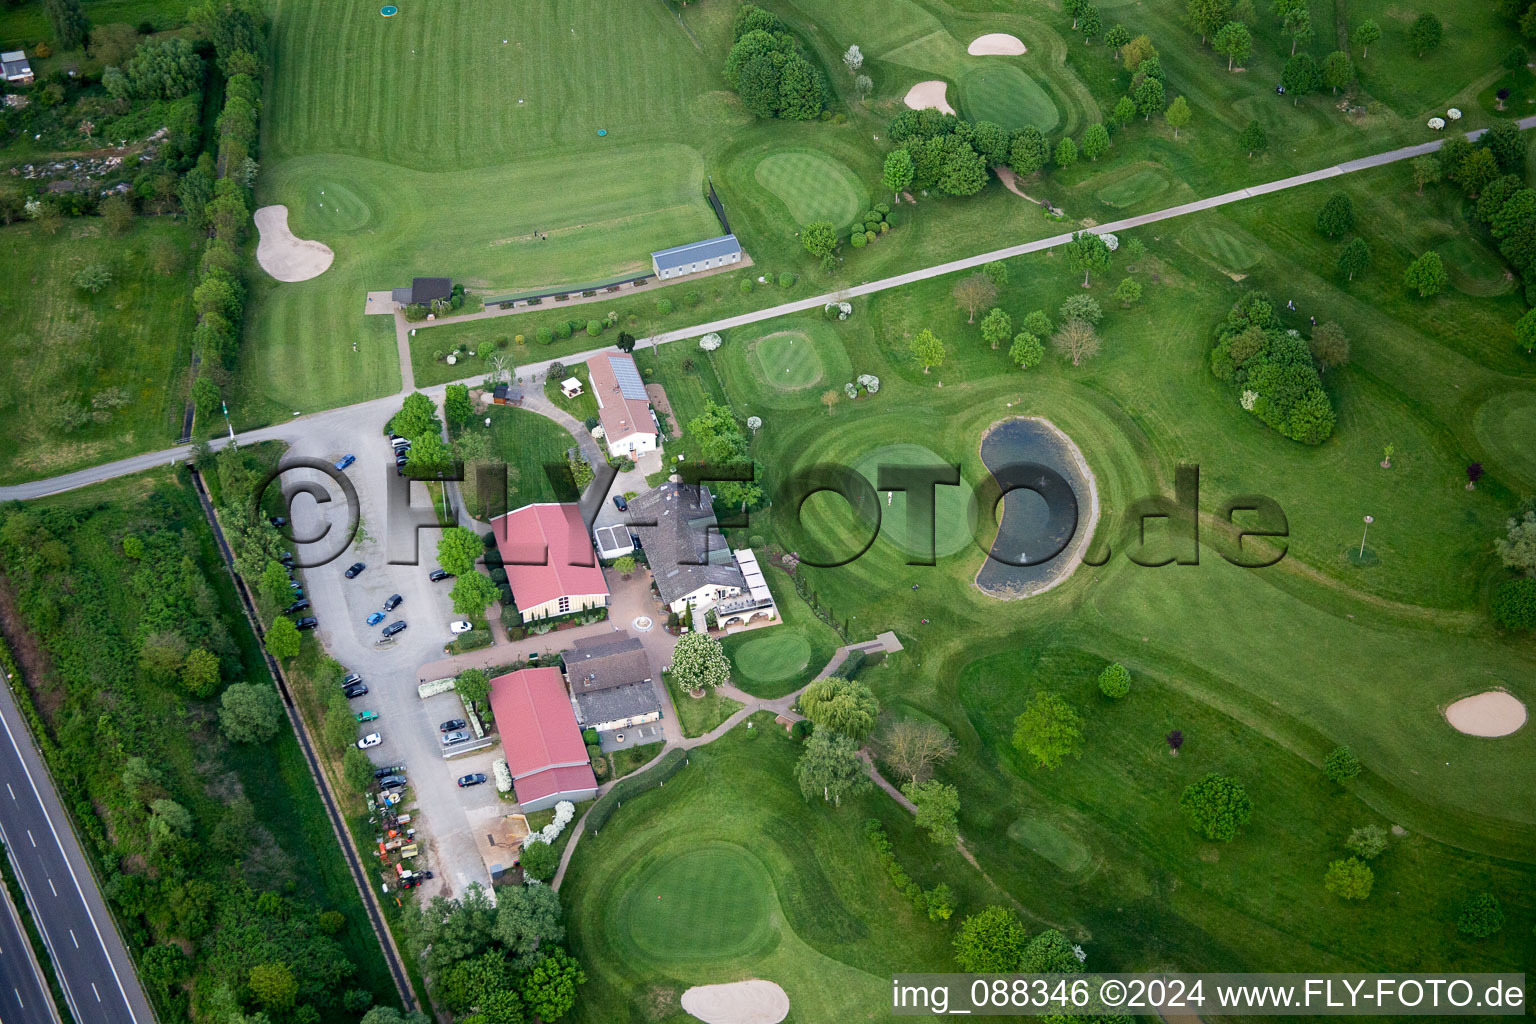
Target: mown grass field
{"type": "Point", "coordinates": [128, 343]}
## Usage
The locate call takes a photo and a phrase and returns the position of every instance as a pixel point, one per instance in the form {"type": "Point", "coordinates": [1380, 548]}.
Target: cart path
{"type": "Point", "coordinates": [337, 420]}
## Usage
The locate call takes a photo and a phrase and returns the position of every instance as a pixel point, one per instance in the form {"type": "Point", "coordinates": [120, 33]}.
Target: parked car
{"type": "Point", "coordinates": [457, 736]}
{"type": "Point", "coordinates": [351, 677]}
{"type": "Point", "coordinates": [297, 606]}
{"type": "Point", "coordinates": [393, 602]}
{"type": "Point", "coordinates": [278, 521]}
{"type": "Point", "coordinates": [461, 626]}
{"type": "Point", "coordinates": [373, 739]}
{"type": "Point", "coordinates": [398, 769]}
{"type": "Point", "coordinates": [438, 575]}
{"type": "Point", "coordinates": [294, 584]}
{"type": "Point", "coordinates": [392, 782]}
{"type": "Point", "coordinates": [307, 622]}
{"type": "Point", "coordinates": [375, 618]}
{"type": "Point", "coordinates": [287, 559]}
{"type": "Point", "coordinates": [354, 690]}
{"type": "Point", "coordinates": [472, 779]}
{"type": "Point", "coordinates": [452, 724]}
{"type": "Point", "coordinates": [398, 626]}
{"type": "Point", "coordinates": [345, 461]}
{"type": "Point", "coordinates": [355, 569]}
{"type": "Point", "coordinates": [365, 716]}
{"type": "Point", "coordinates": [619, 503]}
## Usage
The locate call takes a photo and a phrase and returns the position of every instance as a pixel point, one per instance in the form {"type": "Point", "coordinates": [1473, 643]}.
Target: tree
{"type": "Point", "coordinates": [539, 860]}
{"type": "Point", "coordinates": [1117, 37]}
{"type": "Point", "coordinates": [1075, 307]}
{"type": "Point", "coordinates": [913, 747]}
{"type": "Point", "coordinates": [819, 238]}
{"type": "Point", "coordinates": [273, 985]}
{"type": "Point", "coordinates": [841, 705]}
{"type": "Point", "coordinates": [1337, 216]}
{"type": "Point", "coordinates": [164, 69]}
{"type": "Point", "coordinates": [1426, 171]}
{"type": "Point", "coordinates": [1050, 952]}
{"type": "Point", "coordinates": [93, 278]}
{"type": "Point", "coordinates": [1128, 292]}
{"type": "Point", "coordinates": [1178, 114]}
{"type": "Point", "coordinates": [458, 549]}
{"type": "Point", "coordinates": [897, 174]}
{"type": "Point", "coordinates": [1517, 548]}
{"type": "Point", "coordinates": [1216, 806]}
{"type": "Point", "coordinates": [997, 273]}
{"type": "Point", "coordinates": [1354, 257]}
{"type": "Point", "coordinates": [1507, 143]}
{"type": "Point", "coordinates": [1425, 34]}
{"type": "Point", "coordinates": [1297, 22]}
{"type": "Point", "coordinates": [357, 769]}
{"type": "Point", "coordinates": [117, 211]}
{"type": "Point", "coordinates": [1066, 152]}
{"type": "Point", "coordinates": [831, 768]}
{"type": "Point", "coordinates": [1514, 604]}
{"type": "Point", "coordinates": [1329, 345]}
{"type": "Point", "coordinates": [1341, 764]}
{"type": "Point", "coordinates": [457, 407]}
{"type": "Point", "coordinates": [528, 923]}
{"type": "Point", "coordinates": [853, 59]}
{"type": "Point", "coordinates": [1481, 916]}
{"type": "Point", "coordinates": [200, 672]}
{"type": "Point", "coordinates": [927, 349]}
{"type": "Point", "coordinates": [829, 398]}
{"type": "Point", "coordinates": [1338, 70]}
{"type": "Point", "coordinates": [1367, 842]}
{"type": "Point", "coordinates": [1076, 340]}
{"type": "Point", "coordinates": [1253, 138]}
{"type": "Point", "coordinates": [1366, 33]}
{"type": "Point", "coordinates": [1028, 152]}
{"type": "Point", "coordinates": [472, 594]}
{"type": "Point", "coordinates": [417, 416]}
{"type": "Point", "coordinates": [1091, 22]}
{"type": "Point", "coordinates": [1206, 16]}
{"type": "Point", "coordinates": [1150, 98]}
{"type": "Point", "coordinates": [1095, 141]}
{"type": "Point", "coordinates": [1027, 351]}
{"type": "Point", "coordinates": [991, 941]}
{"type": "Point", "coordinates": [1476, 171]}
{"type": "Point", "coordinates": [996, 326]}
{"type": "Point", "coordinates": [973, 293]}
{"type": "Point", "coordinates": [1136, 51]}
{"type": "Point", "coordinates": [1349, 879]}
{"type": "Point", "coordinates": [863, 83]}
{"type": "Point", "coordinates": [1301, 77]}
{"type": "Point", "coordinates": [1235, 42]}
{"type": "Point", "coordinates": [69, 22]}
{"type": "Point", "coordinates": [1087, 252]}
{"type": "Point", "coordinates": [429, 456]}
{"type": "Point", "coordinates": [283, 640]}
{"type": "Point", "coordinates": [249, 713]}
{"type": "Point", "coordinates": [699, 663]}
{"type": "Point", "coordinates": [205, 397]}
{"type": "Point", "coordinates": [550, 990]}
{"type": "Point", "coordinates": [625, 342]}
{"type": "Point", "coordinates": [938, 809]}
{"type": "Point", "coordinates": [1124, 110]}
{"type": "Point", "coordinates": [1115, 681]}
{"type": "Point", "coordinates": [1048, 730]}
{"type": "Point", "coordinates": [390, 1015]}
{"type": "Point", "coordinates": [1426, 275]}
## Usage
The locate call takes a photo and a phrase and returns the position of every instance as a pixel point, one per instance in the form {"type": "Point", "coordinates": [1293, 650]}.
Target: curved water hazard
{"type": "Point", "coordinates": [1050, 507]}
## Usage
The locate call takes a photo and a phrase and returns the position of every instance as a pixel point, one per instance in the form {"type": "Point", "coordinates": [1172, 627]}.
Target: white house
{"type": "Point", "coordinates": [623, 408]}
{"type": "Point", "coordinates": [696, 257]}
{"type": "Point", "coordinates": [16, 67]}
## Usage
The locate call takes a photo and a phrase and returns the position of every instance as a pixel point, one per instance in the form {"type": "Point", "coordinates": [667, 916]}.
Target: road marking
{"type": "Point", "coordinates": [73, 939]}
{"type": "Point", "coordinates": [34, 841]}
{"type": "Point", "coordinates": [11, 791]}
{"type": "Point", "coordinates": [51, 888]}
{"type": "Point", "coordinates": [93, 989]}
{"type": "Point", "coordinates": [18, 997]}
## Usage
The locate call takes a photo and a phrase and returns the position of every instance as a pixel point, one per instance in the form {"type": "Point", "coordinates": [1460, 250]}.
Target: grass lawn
{"type": "Point", "coordinates": [778, 369]}
{"type": "Point", "coordinates": [776, 660]}
{"type": "Point", "coordinates": [697, 715]}
{"type": "Point", "coordinates": [627, 759]}
{"type": "Point", "coordinates": [726, 873]}
{"type": "Point", "coordinates": [1007, 96]}
{"type": "Point", "coordinates": [91, 378]}
{"type": "Point", "coordinates": [784, 367]}
{"type": "Point", "coordinates": [813, 187]}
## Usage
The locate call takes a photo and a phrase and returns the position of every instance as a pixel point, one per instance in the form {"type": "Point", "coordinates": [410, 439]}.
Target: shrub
{"type": "Point", "coordinates": [1349, 879]}
{"type": "Point", "coordinates": [690, 299]}
{"type": "Point", "coordinates": [746, 286]}
{"type": "Point", "coordinates": [1216, 806]}
{"type": "Point", "coordinates": [1367, 842]}
{"type": "Point", "coordinates": [858, 241]}
{"type": "Point", "coordinates": [1341, 764]}
{"type": "Point", "coordinates": [563, 330]}
{"type": "Point", "coordinates": [664, 306]}
{"type": "Point", "coordinates": [1514, 603]}
{"type": "Point", "coordinates": [1115, 681]}
{"type": "Point", "coordinates": [787, 280]}
{"type": "Point", "coordinates": [1481, 916]}
{"type": "Point", "coordinates": [594, 328]}
{"type": "Point", "coordinates": [539, 860]}
{"type": "Point", "coordinates": [544, 335]}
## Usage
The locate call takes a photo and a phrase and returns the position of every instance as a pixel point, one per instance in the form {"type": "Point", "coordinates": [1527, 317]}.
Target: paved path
{"type": "Point", "coordinates": [336, 418]}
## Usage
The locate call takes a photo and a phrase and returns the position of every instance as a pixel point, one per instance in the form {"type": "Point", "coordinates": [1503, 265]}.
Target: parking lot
{"type": "Point", "coordinates": [407, 724]}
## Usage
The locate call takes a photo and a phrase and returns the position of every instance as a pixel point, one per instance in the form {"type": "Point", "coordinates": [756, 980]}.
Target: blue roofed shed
{"type": "Point", "coordinates": [696, 257]}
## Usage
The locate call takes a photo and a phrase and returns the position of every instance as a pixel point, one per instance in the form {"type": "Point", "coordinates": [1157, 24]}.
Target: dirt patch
{"type": "Point", "coordinates": [284, 256]}
{"type": "Point", "coordinates": [1491, 713]}
{"type": "Point", "coordinates": [754, 1001]}
{"type": "Point", "coordinates": [996, 44]}
{"type": "Point", "coordinates": [1010, 181]}
{"type": "Point", "coordinates": [29, 655]}
{"type": "Point", "coordinates": [928, 94]}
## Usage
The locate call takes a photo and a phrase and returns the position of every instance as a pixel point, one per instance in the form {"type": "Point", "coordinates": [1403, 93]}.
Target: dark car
{"type": "Point", "coordinates": [351, 677]}
{"type": "Point", "coordinates": [398, 626]}
{"type": "Point", "coordinates": [472, 779]}
{"type": "Point", "coordinates": [392, 782]}
{"type": "Point", "coordinates": [307, 622]}
{"type": "Point", "coordinates": [354, 690]}
{"type": "Point", "coordinates": [287, 560]}
{"type": "Point", "coordinates": [298, 606]}
{"type": "Point", "coordinates": [438, 575]}
{"type": "Point", "coordinates": [278, 521]}
{"type": "Point", "coordinates": [451, 724]}
{"type": "Point", "coordinates": [619, 503]}
{"type": "Point", "coordinates": [294, 584]}
{"type": "Point", "coordinates": [393, 602]}
{"type": "Point", "coordinates": [354, 569]}
{"type": "Point", "coordinates": [394, 769]}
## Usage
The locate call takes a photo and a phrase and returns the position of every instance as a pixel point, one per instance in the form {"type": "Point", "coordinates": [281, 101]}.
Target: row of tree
{"type": "Point", "coordinates": [770, 70]}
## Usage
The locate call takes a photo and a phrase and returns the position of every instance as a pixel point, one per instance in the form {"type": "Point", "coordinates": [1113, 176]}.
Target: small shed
{"type": "Point", "coordinates": [16, 67]}
{"type": "Point", "coordinates": [499, 394]}
{"type": "Point", "coordinates": [570, 387]}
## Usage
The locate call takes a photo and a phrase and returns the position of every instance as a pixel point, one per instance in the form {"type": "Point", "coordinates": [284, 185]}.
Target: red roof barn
{"type": "Point", "coordinates": [541, 739]}
{"type": "Point", "coordinates": [550, 564]}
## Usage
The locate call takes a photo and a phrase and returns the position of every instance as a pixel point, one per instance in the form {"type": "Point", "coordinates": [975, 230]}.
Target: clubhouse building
{"type": "Point", "coordinates": [550, 564]}
{"type": "Point", "coordinates": [541, 740]}
{"type": "Point", "coordinates": [623, 407]}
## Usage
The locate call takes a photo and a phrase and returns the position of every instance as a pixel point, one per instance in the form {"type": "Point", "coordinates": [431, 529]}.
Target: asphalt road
{"type": "Point", "coordinates": [87, 951]}
{"type": "Point", "coordinates": [22, 995]}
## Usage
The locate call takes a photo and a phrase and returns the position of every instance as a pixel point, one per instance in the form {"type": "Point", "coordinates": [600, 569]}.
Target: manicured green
{"type": "Point", "coordinates": [1128, 191]}
{"type": "Point", "coordinates": [813, 186]}
{"type": "Point", "coordinates": [713, 902]}
{"type": "Point", "coordinates": [1005, 95]}
{"type": "Point", "coordinates": [773, 656]}
{"type": "Point", "coordinates": [1503, 425]}
{"type": "Point", "coordinates": [786, 361]}
{"type": "Point", "coordinates": [750, 671]}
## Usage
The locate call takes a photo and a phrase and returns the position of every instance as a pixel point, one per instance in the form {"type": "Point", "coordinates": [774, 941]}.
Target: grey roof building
{"type": "Point", "coordinates": [618, 707]}
{"type": "Point", "coordinates": [696, 257]}
{"type": "Point", "coordinates": [423, 291]}
{"type": "Point", "coordinates": [16, 67]}
{"type": "Point", "coordinates": [602, 662]}
{"type": "Point", "coordinates": [685, 548]}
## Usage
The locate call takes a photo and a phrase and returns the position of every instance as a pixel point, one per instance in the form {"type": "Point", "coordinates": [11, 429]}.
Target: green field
{"type": "Point", "coordinates": [1221, 246]}
{"type": "Point", "coordinates": [1007, 96]}
{"type": "Point", "coordinates": [1133, 189]}
{"type": "Point", "coordinates": [710, 902]}
{"type": "Point", "coordinates": [786, 361]}
{"type": "Point", "coordinates": [771, 657]}
{"type": "Point", "coordinates": [92, 378]}
{"type": "Point", "coordinates": [813, 187]}
{"type": "Point", "coordinates": [763, 660]}
{"type": "Point", "coordinates": [1504, 426]}
{"type": "Point", "coordinates": [533, 449]}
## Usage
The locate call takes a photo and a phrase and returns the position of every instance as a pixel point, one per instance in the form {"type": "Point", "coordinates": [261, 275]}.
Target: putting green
{"type": "Point", "coordinates": [813, 186]}
{"type": "Point", "coordinates": [1047, 841]}
{"type": "Point", "coordinates": [1504, 427]}
{"type": "Point", "coordinates": [1139, 186]}
{"type": "Point", "coordinates": [1229, 251]}
{"type": "Point", "coordinates": [334, 207]}
{"type": "Point", "coordinates": [710, 902]}
{"type": "Point", "coordinates": [777, 654]}
{"type": "Point", "coordinates": [954, 507]}
{"type": "Point", "coordinates": [1006, 95]}
{"type": "Point", "coordinates": [787, 361]}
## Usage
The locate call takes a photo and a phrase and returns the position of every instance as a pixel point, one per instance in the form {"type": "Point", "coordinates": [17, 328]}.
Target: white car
{"type": "Point", "coordinates": [373, 739]}
{"type": "Point", "coordinates": [461, 626]}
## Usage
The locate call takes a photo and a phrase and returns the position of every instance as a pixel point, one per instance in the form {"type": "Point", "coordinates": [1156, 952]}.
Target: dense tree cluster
{"type": "Point", "coordinates": [1272, 370]}
{"type": "Point", "coordinates": [770, 71]}
{"type": "Point", "coordinates": [1216, 807]}
{"type": "Point", "coordinates": [723, 444]}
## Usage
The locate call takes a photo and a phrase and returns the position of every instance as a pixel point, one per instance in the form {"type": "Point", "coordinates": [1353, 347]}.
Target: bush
{"type": "Point", "coordinates": [563, 330]}
{"type": "Point", "coordinates": [1349, 879]}
{"type": "Point", "coordinates": [690, 299]}
{"type": "Point", "coordinates": [544, 335]}
{"type": "Point", "coordinates": [594, 328]}
{"type": "Point", "coordinates": [746, 286]}
{"type": "Point", "coordinates": [664, 306]}
{"type": "Point", "coordinates": [1216, 806]}
{"type": "Point", "coordinates": [1514, 604]}
{"type": "Point", "coordinates": [1341, 764]}
{"type": "Point", "coordinates": [1115, 681]}
{"type": "Point", "coordinates": [1481, 916]}
{"type": "Point", "coordinates": [1367, 842]}
{"type": "Point", "coordinates": [539, 860]}
{"type": "Point", "coordinates": [787, 280]}
{"type": "Point", "coordinates": [858, 241]}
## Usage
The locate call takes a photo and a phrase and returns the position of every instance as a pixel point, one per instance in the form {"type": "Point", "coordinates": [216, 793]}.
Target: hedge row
{"type": "Point", "coordinates": [938, 903]}
{"type": "Point", "coordinates": [670, 764]}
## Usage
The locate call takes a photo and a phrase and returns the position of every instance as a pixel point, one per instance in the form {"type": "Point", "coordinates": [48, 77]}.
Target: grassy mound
{"type": "Point", "coordinates": [1474, 268]}
{"type": "Point", "coordinates": [772, 656]}
{"type": "Point", "coordinates": [709, 903]}
{"type": "Point", "coordinates": [1044, 839]}
{"type": "Point", "coordinates": [1503, 426]}
{"type": "Point", "coordinates": [813, 186]}
{"type": "Point", "coordinates": [1008, 96]}
{"type": "Point", "coordinates": [1138, 187]}
{"type": "Point", "coordinates": [1227, 250]}
{"type": "Point", "coordinates": [787, 361]}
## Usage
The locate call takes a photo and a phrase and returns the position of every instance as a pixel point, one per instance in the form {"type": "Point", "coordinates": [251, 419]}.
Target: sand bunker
{"type": "Point", "coordinates": [929, 94]}
{"type": "Point", "coordinates": [995, 44]}
{"type": "Point", "coordinates": [741, 1002]}
{"type": "Point", "coordinates": [282, 255]}
{"type": "Point", "coordinates": [1493, 713]}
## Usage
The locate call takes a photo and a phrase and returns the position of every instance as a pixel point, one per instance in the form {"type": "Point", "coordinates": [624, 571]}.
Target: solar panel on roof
{"type": "Point", "coordinates": [630, 385]}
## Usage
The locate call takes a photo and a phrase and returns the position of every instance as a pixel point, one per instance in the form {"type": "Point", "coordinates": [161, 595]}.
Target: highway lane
{"type": "Point", "coordinates": [23, 991]}
{"type": "Point", "coordinates": [92, 962]}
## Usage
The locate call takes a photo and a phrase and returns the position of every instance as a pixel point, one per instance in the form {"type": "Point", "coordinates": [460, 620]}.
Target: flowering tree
{"type": "Point", "coordinates": [869, 382]}
{"type": "Point", "coordinates": [699, 662]}
{"type": "Point", "coordinates": [754, 423]}
{"type": "Point", "coordinates": [709, 342]}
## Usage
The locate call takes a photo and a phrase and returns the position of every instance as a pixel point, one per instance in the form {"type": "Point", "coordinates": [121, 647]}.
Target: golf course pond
{"type": "Point", "coordinates": [1049, 507]}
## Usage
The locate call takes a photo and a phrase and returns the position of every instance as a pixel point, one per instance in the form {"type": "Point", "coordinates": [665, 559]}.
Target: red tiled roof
{"type": "Point", "coordinates": [538, 543]}
{"type": "Point", "coordinates": [620, 416]}
{"type": "Point", "coordinates": [539, 734]}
